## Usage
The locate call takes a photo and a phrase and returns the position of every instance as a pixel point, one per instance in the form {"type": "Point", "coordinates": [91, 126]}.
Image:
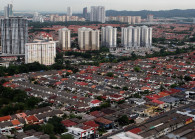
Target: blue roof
{"type": "Point", "coordinates": [178, 88]}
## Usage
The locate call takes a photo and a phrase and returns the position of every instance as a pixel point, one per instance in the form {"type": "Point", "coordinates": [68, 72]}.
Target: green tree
{"type": "Point", "coordinates": [123, 120]}
{"type": "Point", "coordinates": [58, 127]}
{"type": "Point", "coordinates": [137, 69]}
{"type": "Point", "coordinates": [110, 74]}
{"type": "Point", "coordinates": [47, 128]}
{"type": "Point", "coordinates": [67, 136]}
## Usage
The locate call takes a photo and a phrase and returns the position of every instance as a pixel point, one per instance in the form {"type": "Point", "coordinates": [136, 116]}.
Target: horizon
{"type": "Point", "coordinates": [125, 5]}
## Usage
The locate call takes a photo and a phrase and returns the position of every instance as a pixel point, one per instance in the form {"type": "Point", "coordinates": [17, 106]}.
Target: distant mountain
{"type": "Point", "coordinates": [163, 13]}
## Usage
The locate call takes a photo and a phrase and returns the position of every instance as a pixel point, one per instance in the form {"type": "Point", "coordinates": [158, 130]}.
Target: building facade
{"type": "Point", "coordinates": [14, 35]}
{"type": "Point", "coordinates": [38, 18]}
{"type": "Point", "coordinates": [85, 15]}
{"type": "Point", "coordinates": [109, 36]}
{"type": "Point", "coordinates": [133, 37]}
{"type": "Point", "coordinates": [64, 39]}
{"type": "Point", "coordinates": [88, 39]}
{"type": "Point", "coordinates": [8, 11]}
{"type": "Point", "coordinates": [98, 14]}
{"type": "Point", "coordinates": [150, 18]}
{"type": "Point", "coordinates": [42, 52]}
{"type": "Point", "coordinates": [69, 11]}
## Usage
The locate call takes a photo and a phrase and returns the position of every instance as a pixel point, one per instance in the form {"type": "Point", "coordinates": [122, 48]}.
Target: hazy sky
{"type": "Point", "coordinates": [77, 5]}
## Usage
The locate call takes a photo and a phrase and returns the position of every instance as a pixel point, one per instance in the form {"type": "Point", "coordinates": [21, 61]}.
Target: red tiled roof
{"type": "Point", "coordinates": [32, 118]}
{"type": "Point", "coordinates": [95, 101]}
{"type": "Point", "coordinates": [15, 122]}
{"type": "Point", "coordinates": [157, 101]}
{"type": "Point", "coordinates": [68, 123]}
{"type": "Point", "coordinates": [91, 124]}
{"type": "Point", "coordinates": [135, 130]}
{"type": "Point", "coordinates": [5, 118]}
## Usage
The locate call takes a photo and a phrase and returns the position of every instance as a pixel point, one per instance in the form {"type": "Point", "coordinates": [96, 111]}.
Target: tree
{"type": "Point", "coordinates": [58, 127]}
{"type": "Point", "coordinates": [123, 120]}
{"type": "Point", "coordinates": [34, 127]}
{"type": "Point", "coordinates": [110, 74]}
{"type": "Point", "coordinates": [47, 128]}
{"type": "Point", "coordinates": [187, 78]}
{"type": "Point", "coordinates": [137, 69]}
{"type": "Point", "coordinates": [67, 136]}
{"type": "Point", "coordinates": [125, 88]}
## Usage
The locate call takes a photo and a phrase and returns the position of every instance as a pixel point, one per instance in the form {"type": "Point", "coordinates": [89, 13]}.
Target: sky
{"type": "Point", "coordinates": [78, 5]}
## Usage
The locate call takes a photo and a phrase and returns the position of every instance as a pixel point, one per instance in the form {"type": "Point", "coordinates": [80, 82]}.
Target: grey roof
{"type": "Point", "coordinates": [169, 99]}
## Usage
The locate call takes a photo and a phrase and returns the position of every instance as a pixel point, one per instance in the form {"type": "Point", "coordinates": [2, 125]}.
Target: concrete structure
{"type": "Point", "coordinates": [125, 19]}
{"type": "Point", "coordinates": [109, 36]}
{"type": "Point", "coordinates": [14, 35]}
{"type": "Point", "coordinates": [64, 39]}
{"type": "Point", "coordinates": [69, 11]}
{"type": "Point", "coordinates": [134, 37]}
{"type": "Point", "coordinates": [38, 18]}
{"type": "Point", "coordinates": [42, 52]}
{"type": "Point", "coordinates": [98, 14]}
{"type": "Point", "coordinates": [88, 39]}
{"type": "Point", "coordinates": [150, 18]}
{"type": "Point", "coordinates": [85, 15]}
{"type": "Point", "coordinates": [8, 11]}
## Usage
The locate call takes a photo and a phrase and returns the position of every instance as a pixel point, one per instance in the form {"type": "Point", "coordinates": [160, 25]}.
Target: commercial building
{"type": "Point", "coordinates": [69, 11]}
{"type": "Point", "coordinates": [136, 37]}
{"type": "Point", "coordinates": [98, 14]}
{"type": "Point", "coordinates": [64, 39]}
{"type": "Point", "coordinates": [42, 52]}
{"type": "Point", "coordinates": [14, 35]}
{"type": "Point", "coordinates": [8, 11]}
{"type": "Point", "coordinates": [109, 36]}
{"type": "Point", "coordinates": [88, 39]}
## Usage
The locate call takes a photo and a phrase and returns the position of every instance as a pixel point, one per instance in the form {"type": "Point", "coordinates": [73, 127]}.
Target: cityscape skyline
{"type": "Point", "coordinates": [129, 5]}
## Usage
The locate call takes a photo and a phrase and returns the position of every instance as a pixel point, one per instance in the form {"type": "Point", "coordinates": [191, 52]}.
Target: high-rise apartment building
{"type": "Point", "coordinates": [14, 35]}
{"type": "Point", "coordinates": [69, 11]}
{"type": "Point", "coordinates": [88, 39]}
{"type": "Point", "coordinates": [42, 52]}
{"type": "Point", "coordinates": [109, 36]}
{"type": "Point", "coordinates": [64, 39]}
{"type": "Point", "coordinates": [85, 14]}
{"type": "Point", "coordinates": [136, 37]}
{"type": "Point", "coordinates": [8, 11]}
{"type": "Point", "coordinates": [38, 18]}
{"type": "Point", "coordinates": [98, 14]}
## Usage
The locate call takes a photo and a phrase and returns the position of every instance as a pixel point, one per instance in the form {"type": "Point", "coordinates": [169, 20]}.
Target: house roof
{"type": "Point", "coordinates": [135, 130]}
{"type": "Point", "coordinates": [15, 122]}
{"type": "Point", "coordinates": [91, 124]}
{"type": "Point", "coordinates": [103, 120]}
{"type": "Point", "coordinates": [95, 101]}
{"type": "Point", "coordinates": [32, 118]}
{"type": "Point", "coordinates": [68, 123]}
{"type": "Point", "coordinates": [5, 118]}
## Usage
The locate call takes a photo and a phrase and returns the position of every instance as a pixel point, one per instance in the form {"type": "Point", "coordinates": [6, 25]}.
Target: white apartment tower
{"type": "Point", "coordinates": [69, 11]}
{"type": "Point", "coordinates": [134, 37]}
{"type": "Point", "coordinates": [14, 35]}
{"type": "Point", "coordinates": [109, 36]}
{"type": "Point", "coordinates": [8, 11]}
{"type": "Point", "coordinates": [42, 52]}
{"type": "Point", "coordinates": [88, 39]}
{"type": "Point", "coordinates": [64, 39]}
{"type": "Point", "coordinates": [98, 14]}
